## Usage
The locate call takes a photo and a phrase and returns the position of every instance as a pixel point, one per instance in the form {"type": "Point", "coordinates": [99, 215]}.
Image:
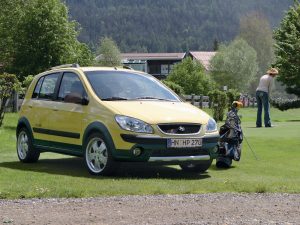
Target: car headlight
{"type": "Point", "coordinates": [132, 124]}
{"type": "Point", "coordinates": [211, 126]}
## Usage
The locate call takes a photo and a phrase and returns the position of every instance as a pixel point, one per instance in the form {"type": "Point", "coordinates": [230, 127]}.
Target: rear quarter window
{"type": "Point", "coordinates": [37, 88]}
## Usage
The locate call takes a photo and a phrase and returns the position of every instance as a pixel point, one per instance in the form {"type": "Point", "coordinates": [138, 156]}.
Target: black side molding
{"type": "Point", "coordinates": [56, 133]}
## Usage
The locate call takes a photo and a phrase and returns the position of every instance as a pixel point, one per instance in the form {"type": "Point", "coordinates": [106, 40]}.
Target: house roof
{"type": "Point", "coordinates": [203, 57]}
{"type": "Point", "coordinates": [153, 56]}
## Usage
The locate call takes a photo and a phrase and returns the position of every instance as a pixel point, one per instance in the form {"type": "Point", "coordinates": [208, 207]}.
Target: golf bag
{"type": "Point", "coordinates": [231, 138]}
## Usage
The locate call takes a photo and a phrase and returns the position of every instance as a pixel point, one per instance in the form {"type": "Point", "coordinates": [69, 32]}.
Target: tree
{"type": "Point", "coordinates": [40, 36]}
{"type": "Point", "coordinates": [190, 75]}
{"type": "Point", "coordinates": [8, 30]}
{"type": "Point", "coordinates": [108, 53]}
{"type": "Point", "coordinates": [234, 65]}
{"type": "Point", "coordinates": [256, 30]}
{"type": "Point", "coordinates": [287, 50]}
{"type": "Point", "coordinates": [174, 87]}
{"type": "Point", "coordinates": [8, 84]}
{"type": "Point", "coordinates": [216, 45]}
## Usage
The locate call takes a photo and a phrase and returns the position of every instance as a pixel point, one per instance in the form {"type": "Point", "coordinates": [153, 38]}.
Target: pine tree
{"type": "Point", "coordinates": [288, 50]}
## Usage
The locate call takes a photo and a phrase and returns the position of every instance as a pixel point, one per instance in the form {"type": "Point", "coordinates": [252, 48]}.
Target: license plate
{"type": "Point", "coordinates": [184, 143]}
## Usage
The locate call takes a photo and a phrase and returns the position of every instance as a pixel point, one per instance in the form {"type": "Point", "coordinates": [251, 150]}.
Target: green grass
{"type": "Point", "coordinates": [277, 169]}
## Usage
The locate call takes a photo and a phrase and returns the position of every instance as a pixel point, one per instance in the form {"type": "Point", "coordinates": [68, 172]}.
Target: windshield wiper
{"type": "Point", "coordinates": [114, 99]}
{"type": "Point", "coordinates": [150, 97]}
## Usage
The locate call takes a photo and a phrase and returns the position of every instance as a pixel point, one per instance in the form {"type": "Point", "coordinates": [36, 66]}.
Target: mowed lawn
{"type": "Point", "coordinates": [276, 170]}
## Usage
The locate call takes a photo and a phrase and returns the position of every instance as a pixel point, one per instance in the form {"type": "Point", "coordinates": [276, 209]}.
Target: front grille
{"type": "Point", "coordinates": [178, 152]}
{"type": "Point", "coordinates": [180, 128]}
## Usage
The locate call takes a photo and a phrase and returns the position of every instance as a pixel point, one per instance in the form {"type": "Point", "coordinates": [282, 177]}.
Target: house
{"type": "Point", "coordinates": [156, 64]}
{"type": "Point", "coordinates": [161, 64]}
{"type": "Point", "coordinates": [203, 57]}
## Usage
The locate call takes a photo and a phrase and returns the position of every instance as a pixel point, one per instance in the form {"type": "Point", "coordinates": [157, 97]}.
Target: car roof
{"type": "Point", "coordinates": [90, 69]}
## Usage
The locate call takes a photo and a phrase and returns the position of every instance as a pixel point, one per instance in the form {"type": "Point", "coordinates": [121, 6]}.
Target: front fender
{"type": "Point", "coordinates": [99, 127]}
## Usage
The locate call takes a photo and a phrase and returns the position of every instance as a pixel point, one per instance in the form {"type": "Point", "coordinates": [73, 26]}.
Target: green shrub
{"type": "Point", "coordinates": [285, 104]}
{"type": "Point", "coordinates": [8, 84]}
{"type": "Point", "coordinates": [175, 87]}
{"type": "Point", "coordinates": [25, 84]}
{"type": "Point", "coordinates": [232, 95]}
{"type": "Point", "coordinates": [218, 101]}
{"type": "Point", "coordinates": [191, 76]}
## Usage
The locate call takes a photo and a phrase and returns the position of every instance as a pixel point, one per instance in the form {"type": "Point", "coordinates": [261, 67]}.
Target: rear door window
{"type": "Point", "coordinates": [48, 87]}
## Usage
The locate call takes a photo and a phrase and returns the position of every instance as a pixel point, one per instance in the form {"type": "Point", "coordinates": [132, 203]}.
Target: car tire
{"type": "Point", "coordinates": [196, 167]}
{"type": "Point", "coordinates": [25, 149]}
{"type": "Point", "coordinates": [98, 157]}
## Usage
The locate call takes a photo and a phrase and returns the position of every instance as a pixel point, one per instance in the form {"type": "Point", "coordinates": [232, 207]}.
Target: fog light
{"type": "Point", "coordinates": [137, 151]}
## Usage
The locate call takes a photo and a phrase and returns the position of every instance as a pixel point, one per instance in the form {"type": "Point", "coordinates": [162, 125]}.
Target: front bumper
{"type": "Point", "coordinates": [154, 149]}
{"type": "Point", "coordinates": [180, 158]}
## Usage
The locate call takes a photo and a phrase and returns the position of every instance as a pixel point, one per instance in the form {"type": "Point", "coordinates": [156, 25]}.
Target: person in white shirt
{"type": "Point", "coordinates": [262, 97]}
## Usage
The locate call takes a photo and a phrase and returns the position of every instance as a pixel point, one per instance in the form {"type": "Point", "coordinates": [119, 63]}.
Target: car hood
{"type": "Point", "coordinates": [154, 112]}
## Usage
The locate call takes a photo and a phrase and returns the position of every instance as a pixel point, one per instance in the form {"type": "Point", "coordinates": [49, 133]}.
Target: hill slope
{"type": "Point", "coordinates": [168, 25]}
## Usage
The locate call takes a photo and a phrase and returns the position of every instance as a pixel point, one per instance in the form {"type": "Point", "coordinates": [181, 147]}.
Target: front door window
{"type": "Point", "coordinates": [71, 89]}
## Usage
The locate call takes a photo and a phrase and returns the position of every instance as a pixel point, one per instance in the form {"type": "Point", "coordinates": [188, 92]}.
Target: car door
{"type": "Point", "coordinates": [65, 121]}
{"type": "Point", "coordinates": [41, 105]}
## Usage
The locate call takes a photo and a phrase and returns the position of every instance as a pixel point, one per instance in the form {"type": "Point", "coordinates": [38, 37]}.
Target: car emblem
{"type": "Point", "coordinates": [181, 128]}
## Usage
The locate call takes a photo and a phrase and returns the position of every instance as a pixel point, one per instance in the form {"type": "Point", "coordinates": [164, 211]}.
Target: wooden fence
{"type": "Point", "coordinates": [200, 101]}
{"type": "Point", "coordinates": [13, 104]}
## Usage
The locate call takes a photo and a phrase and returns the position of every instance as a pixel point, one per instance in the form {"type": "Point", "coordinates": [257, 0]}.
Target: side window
{"type": "Point", "coordinates": [71, 88]}
{"type": "Point", "coordinates": [48, 86]}
{"type": "Point", "coordinates": [37, 88]}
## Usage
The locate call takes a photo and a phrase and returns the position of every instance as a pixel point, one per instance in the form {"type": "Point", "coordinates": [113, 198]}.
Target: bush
{"type": "Point", "coordinates": [173, 86]}
{"type": "Point", "coordinates": [232, 95]}
{"type": "Point", "coordinates": [25, 84]}
{"type": "Point", "coordinates": [285, 104]}
{"type": "Point", "coordinates": [218, 103]}
{"type": "Point", "coordinates": [8, 84]}
{"type": "Point", "coordinates": [191, 76]}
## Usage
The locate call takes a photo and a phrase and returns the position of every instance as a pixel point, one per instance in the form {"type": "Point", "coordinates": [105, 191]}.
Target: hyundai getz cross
{"type": "Point", "coordinates": [109, 115]}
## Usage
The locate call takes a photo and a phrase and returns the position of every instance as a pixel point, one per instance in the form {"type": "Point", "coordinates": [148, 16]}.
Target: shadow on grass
{"type": "Point", "coordinates": [292, 120]}
{"type": "Point", "coordinates": [75, 167]}
{"type": "Point", "coordinates": [215, 168]}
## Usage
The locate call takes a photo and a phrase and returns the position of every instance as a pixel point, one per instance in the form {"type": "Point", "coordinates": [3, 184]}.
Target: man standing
{"type": "Point", "coordinates": [262, 97]}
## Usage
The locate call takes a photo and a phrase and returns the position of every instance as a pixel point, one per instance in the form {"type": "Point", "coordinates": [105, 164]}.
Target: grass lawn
{"type": "Point", "coordinates": [276, 170]}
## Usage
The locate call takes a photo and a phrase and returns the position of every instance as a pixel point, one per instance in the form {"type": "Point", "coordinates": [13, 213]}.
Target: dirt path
{"type": "Point", "coordinates": [170, 209]}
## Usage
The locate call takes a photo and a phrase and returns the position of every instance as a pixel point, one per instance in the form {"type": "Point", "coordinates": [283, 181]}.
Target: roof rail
{"type": "Point", "coordinates": [75, 65]}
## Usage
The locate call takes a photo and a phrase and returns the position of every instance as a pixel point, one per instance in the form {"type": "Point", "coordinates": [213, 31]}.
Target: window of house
{"type": "Point", "coordinates": [164, 69]}
{"type": "Point", "coordinates": [154, 69]}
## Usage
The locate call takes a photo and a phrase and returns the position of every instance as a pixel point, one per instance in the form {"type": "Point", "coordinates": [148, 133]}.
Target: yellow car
{"type": "Point", "coordinates": [108, 115]}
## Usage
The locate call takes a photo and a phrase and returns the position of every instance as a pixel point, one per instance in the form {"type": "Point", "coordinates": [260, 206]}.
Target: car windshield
{"type": "Point", "coordinates": [122, 86]}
